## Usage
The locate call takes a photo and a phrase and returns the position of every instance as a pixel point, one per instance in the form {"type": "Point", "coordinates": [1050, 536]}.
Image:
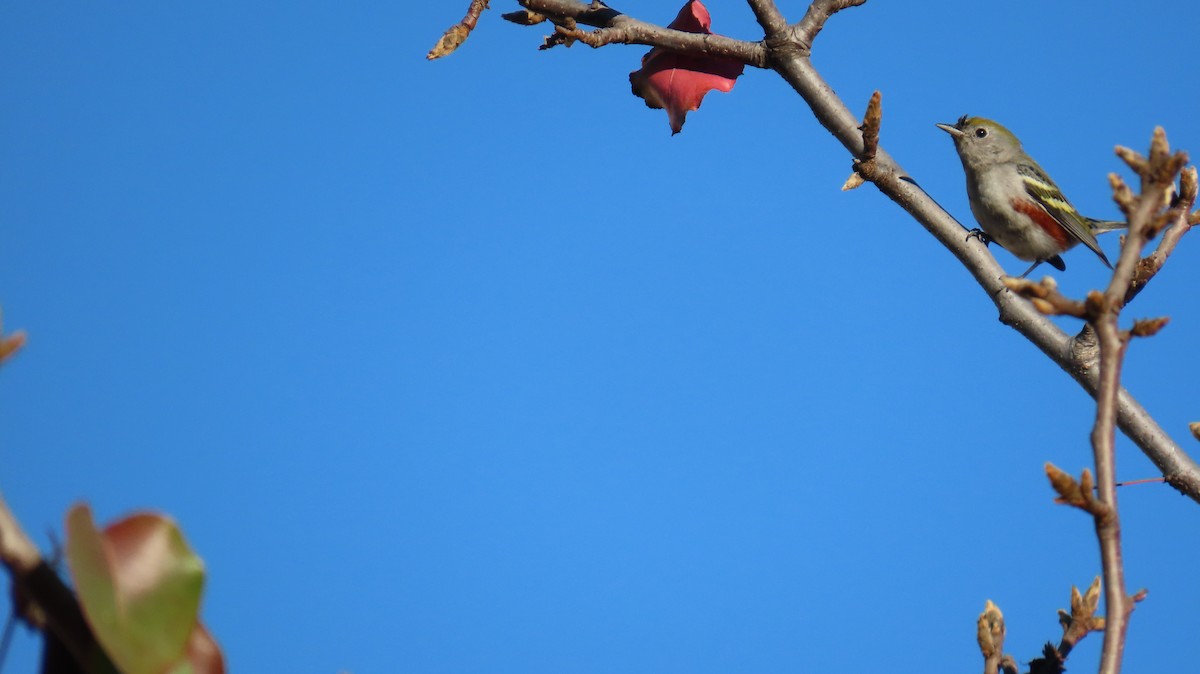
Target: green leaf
{"type": "Point", "coordinates": [139, 585]}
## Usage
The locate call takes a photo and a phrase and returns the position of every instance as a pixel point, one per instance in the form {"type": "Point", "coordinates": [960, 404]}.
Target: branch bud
{"type": "Point", "coordinates": [1148, 327]}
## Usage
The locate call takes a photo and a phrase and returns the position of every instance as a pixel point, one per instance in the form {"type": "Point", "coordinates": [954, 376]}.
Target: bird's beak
{"type": "Point", "coordinates": [948, 128]}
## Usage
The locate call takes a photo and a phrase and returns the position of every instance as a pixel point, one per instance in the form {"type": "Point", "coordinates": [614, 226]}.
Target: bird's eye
{"type": "Point", "coordinates": [981, 132]}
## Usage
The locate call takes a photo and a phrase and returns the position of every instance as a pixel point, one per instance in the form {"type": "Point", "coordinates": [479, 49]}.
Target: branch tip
{"type": "Point", "coordinates": [457, 34]}
{"type": "Point", "coordinates": [1121, 193]}
{"type": "Point", "coordinates": [1148, 327]}
{"type": "Point", "coordinates": [11, 344]}
{"type": "Point", "coordinates": [524, 17]}
{"type": "Point", "coordinates": [990, 631]}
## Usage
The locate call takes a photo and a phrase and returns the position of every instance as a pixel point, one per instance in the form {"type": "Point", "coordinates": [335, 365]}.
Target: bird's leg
{"type": "Point", "coordinates": [1034, 266]}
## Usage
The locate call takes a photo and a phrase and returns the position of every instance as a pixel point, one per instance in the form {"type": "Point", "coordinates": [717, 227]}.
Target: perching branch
{"type": "Point", "coordinates": [1078, 356]}
{"type": "Point", "coordinates": [788, 53]}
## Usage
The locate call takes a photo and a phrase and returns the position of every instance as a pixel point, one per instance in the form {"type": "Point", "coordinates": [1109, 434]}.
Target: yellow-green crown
{"type": "Point", "coordinates": [966, 121]}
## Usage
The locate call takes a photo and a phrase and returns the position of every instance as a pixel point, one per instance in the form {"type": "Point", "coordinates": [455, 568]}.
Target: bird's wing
{"type": "Point", "coordinates": [1043, 190]}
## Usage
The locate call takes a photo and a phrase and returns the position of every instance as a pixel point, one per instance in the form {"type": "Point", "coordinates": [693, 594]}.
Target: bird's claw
{"type": "Point", "coordinates": [978, 233]}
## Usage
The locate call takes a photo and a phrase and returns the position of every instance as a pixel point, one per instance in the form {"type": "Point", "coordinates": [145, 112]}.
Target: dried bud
{"type": "Point", "coordinates": [1095, 304]}
{"type": "Point", "coordinates": [524, 17]}
{"type": "Point", "coordinates": [1135, 161]}
{"type": "Point", "coordinates": [1188, 186]}
{"type": "Point", "coordinates": [990, 630]}
{"type": "Point", "coordinates": [1066, 486]}
{"type": "Point", "coordinates": [872, 120]}
{"type": "Point", "coordinates": [1122, 194]}
{"type": "Point", "coordinates": [1043, 306]}
{"type": "Point", "coordinates": [853, 182]}
{"type": "Point", "coordinates": [1148, 327]}
{"type": "Point", "coordinates": [11, 344]}
{"type": "Point", "coordinates": [1091, 598]}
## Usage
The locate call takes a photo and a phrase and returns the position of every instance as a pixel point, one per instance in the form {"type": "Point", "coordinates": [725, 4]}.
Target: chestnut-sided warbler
{"type": "Point", "coordinates": [1016, 203]}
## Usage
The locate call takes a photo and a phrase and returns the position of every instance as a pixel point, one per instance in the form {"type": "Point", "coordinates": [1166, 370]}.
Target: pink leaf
{"type": "Point", "coordinates": [678, 82]}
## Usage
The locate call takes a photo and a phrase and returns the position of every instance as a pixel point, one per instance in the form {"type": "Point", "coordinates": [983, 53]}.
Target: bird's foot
{"type": "Point", "coordinates": [978, 233]}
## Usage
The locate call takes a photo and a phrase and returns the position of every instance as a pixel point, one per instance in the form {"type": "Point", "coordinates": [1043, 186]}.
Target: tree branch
{"type": "Point", "coordinates": [43, 600]}
{"type": "Point", "coordinates": [459, 32]}
{"type": "Point", "coordinates": [1182, 220]}
{"type": "Point", "coordinates": [1143, 214]}
{"type": "Point", "coordinates": [613, 27]}
{"type": "Point", "coordinates": [1077, 356]}
{"type": "Point", "coordinates": [787, 53]}
{"type": "Point", "coordinates": [816, 16]}
{"type": "Point", "coordinates": [769, 16]}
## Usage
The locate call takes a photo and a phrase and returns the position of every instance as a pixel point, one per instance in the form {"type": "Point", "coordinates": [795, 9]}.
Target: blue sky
{"type": "Point", "coordinates": [470, 366]}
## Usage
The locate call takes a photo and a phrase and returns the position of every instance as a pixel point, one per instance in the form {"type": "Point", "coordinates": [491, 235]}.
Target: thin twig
{"type": "Point", "coordinates": [816, 16]}
{"type": "Point", "coordinates": [613, 27]}
{"type": "Point", "coordinates": [1182, 220]}
{"type": "Point", "coordinates": [1144, 213]}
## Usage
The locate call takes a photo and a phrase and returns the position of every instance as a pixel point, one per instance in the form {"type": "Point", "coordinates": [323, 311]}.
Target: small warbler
{"type": "Point", "coordinates": [1016, 203]}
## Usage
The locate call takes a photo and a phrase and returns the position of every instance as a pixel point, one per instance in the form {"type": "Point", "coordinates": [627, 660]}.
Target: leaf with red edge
{"type": "Point", "coordinates": [678, 82]}
{"type": "Point", "coordinates": [203, 656]}
{"type": "Point", "coordinates": [139, 585]}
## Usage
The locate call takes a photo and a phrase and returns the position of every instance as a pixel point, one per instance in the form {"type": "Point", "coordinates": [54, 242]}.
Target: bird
{"type": "Point", "coordinates": [1015, 202]}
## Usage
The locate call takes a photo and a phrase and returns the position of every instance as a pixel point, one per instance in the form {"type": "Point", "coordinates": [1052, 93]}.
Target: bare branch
{"type": "Point", "coordinates": [1077, 356]}
{"type": "Point", "coordinates": [613, 27]}
{"type": "Point", "coordinates": [788, 54]}
{"type": "Point", "coordinates": [1177, 221]}
{"type": "Point", "coordinates": [1144, 213]}
{"type": "Point", "coordinates": [816, 16]}
{"type": "Point", "coordinates": [459, 32]}
{"type": "Point", "coordinates": [1149, 213]}
{"type": "Point", "coordinates": [769, 16]}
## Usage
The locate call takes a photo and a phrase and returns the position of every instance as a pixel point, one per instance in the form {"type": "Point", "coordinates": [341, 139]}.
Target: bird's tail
{"type": "Point", "coordinates": [1102, 226]}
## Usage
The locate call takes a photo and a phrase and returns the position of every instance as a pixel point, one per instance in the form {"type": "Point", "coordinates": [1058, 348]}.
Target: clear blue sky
{"type": "Point", "coordinates": [470, 366]}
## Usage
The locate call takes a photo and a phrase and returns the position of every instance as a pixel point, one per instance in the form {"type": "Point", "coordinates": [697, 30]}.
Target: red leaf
{"type": "Point", "coordinates": [678, 82]}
